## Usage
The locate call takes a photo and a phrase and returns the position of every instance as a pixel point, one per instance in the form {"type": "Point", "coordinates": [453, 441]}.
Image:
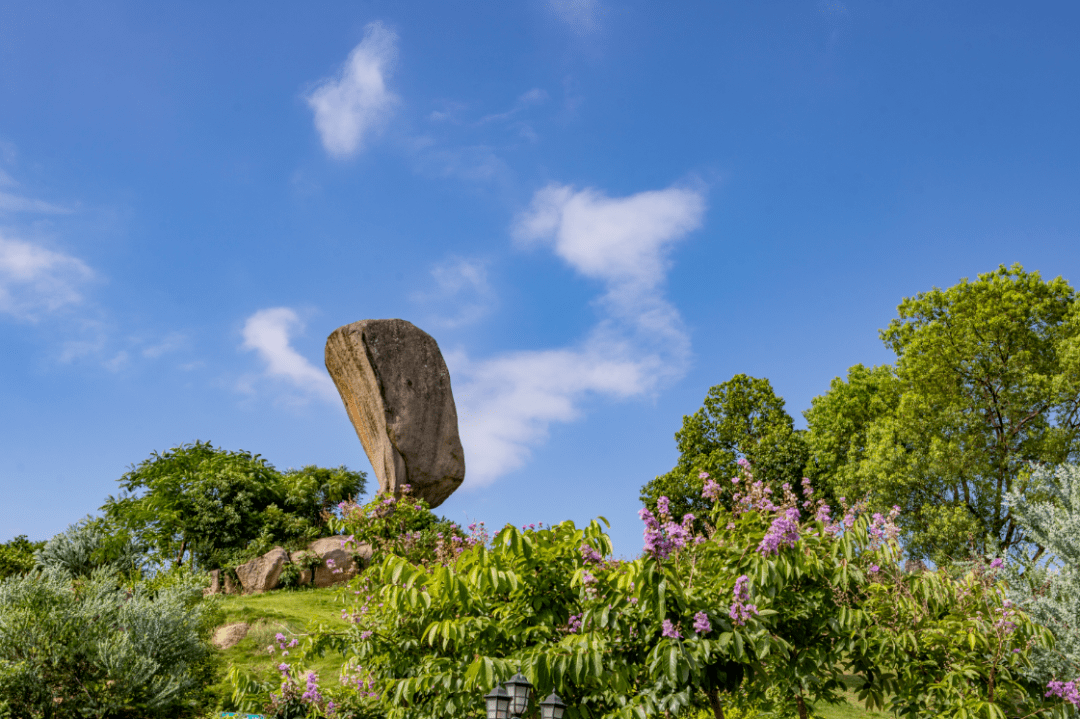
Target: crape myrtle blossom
{"type": "Point", "coordinates": [783, 531]}
{"type": "Point", "coordinates": [741, 610]}
{"type": "Point", "coordinates": [664, 536]}
{"type": "Point", "coordinates": [701, 623]}
{"type": "Point", "coordinates": [1066, 691]}
{"type": "Point", "coordinates": [670, 630]}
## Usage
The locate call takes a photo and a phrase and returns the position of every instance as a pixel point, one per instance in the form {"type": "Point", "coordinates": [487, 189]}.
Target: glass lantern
{"type": "Point", "coordinates": [519, 689]}
{"type": "Point", "coordinates": [498, 703]}
{"type": "Point", "coordinates": [552, 708]}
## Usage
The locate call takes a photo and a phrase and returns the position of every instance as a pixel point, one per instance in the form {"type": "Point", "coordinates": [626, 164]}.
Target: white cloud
{"type": "Point", "coordinates": [35, 280]}
{"type": "Point", "coordinates": [18, 203]}
{"type": "Point", "coordinates": [508, 402]}
{"type": "Point", "coordinates": [269, 333]}
{"type": "Point", "coordinates": [461, 285]}
{"type": "Point", "coordinates": [581, 15]}
{"type": "Point", "coordinates": [356, 103]}
{"type": "Point", "coordinates": [170, 343]}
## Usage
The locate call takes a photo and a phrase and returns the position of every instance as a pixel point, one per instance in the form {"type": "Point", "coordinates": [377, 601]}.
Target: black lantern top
{"type": "Point", "coordinates": [498, 703]}
{"type": "Point", "coordinates": [552, 708]}
{"type": "Point", "coordinates": [519, 689]}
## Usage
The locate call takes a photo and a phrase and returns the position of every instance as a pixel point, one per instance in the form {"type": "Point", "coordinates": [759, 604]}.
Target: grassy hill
{"type": "Point", "coordinates": [295, 612]}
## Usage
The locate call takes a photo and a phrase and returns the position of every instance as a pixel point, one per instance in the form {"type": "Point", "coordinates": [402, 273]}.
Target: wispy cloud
{"type": "Point", "coordinates": [269, 333]}
{"type": "Point", "coordinates": [35, 281]}
{"type": "Point", "coordinates": [508, 402]}
{"type": "Point", "coordinates": [356, 102]}
{"type": "Point", "coordinates": [10, 202]}
{"type": "Point", "coordinates": [582, 16]}
{"type": "Point", "coordinates": [462, 287]}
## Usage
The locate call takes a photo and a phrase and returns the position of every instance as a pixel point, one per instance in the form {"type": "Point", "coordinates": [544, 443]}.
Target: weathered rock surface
{"type": "Point", "coordinates": [229, 635]}
{"type": "Point", "coordinates": [396, 388]}
{"type": "Point", "coordinates": [338, 564]}
{"type": "Point", "coordinates": [261, 574]}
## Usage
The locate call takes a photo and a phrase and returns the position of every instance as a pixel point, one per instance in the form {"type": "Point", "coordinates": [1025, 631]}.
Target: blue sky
{"type": "Point", "coordinates": [598, 209]}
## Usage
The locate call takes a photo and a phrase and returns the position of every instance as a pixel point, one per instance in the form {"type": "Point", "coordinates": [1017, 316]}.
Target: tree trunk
{"type": "Point", "coordinates": [803, 714]}
{"type": "Point", "coordinates": [714, 702]}
{"type": "Point", "coordinates": [180, 556]}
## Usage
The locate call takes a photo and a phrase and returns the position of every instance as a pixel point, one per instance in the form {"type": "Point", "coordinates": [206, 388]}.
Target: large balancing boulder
{"type": "Point", "coordinates": [396, 389]}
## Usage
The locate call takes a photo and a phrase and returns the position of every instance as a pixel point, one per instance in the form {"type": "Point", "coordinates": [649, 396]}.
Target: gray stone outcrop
{"type": "Point", "coordinates": [261, 574]}
{"type": "Point", "coordinates": [338, 562]}
{"type": "Point", "coordinates": [396, 388]}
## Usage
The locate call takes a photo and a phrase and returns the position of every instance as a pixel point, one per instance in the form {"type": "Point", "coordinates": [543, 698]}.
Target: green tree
{"type": "Point", "coordinates": [987, 379]}
{"type": "Point", "coordinates": [740, 419]}
{"type": "Point", "coordinates": [210, 503]}
{"type": "Point", "coordinates": [17, 556]}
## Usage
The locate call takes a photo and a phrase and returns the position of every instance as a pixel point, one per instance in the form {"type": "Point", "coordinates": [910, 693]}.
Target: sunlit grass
{"type": "Point", "coordinates": [292, 613]}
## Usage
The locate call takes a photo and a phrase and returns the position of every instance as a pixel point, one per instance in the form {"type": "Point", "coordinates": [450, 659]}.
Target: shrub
{"type": "Point", "coordinates": [17, 556]}
{"type": "Point", "coordinates": [78, 647]}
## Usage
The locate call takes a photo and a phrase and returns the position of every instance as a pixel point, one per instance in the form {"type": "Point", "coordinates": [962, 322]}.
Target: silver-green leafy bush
{"type": "Point", "coordinates": [86, 647]}
{"type": "Point", "coordinates": [1049, 590]}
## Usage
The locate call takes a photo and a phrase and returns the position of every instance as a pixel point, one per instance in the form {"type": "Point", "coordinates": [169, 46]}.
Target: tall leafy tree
{"type": "Point", "coordinates": [742, 418]}
{"type": "Point", "coordinates": [205, 502]}
{"type": "Point", "coordinates": [987, 379]}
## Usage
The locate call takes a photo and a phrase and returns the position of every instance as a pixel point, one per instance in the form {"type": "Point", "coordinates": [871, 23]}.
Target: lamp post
{"type": "Point", "coordinates": [512, 701]}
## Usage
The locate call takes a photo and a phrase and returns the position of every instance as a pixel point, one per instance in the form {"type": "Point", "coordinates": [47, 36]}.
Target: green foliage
{"type": "Point", "coordinates": [404, 526]}
{"type": "Point", "coordinates": [87, 546]}
{"type": "Point", "coordinates": [741, 418]}
{"type": "Point", "coordinates": [773, 613]}
{"type": "Point", "coordinates": [87, 647]}
{"type": "Point", "coordinates": [17, 556]}
{"type": "Point", "coordinates": [987, 379]}
{"type": "Point", "coordinates": [1049, 590]}
{"type": "Point", "coordinates": [220, 506]}
{"type": "Point", "coordinates": [949, 646]}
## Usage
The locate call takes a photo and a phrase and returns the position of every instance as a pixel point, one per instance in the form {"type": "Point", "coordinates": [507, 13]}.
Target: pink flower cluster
{"type": "Point", "coordinates": [701, 623]}
{"type": "Point", "coordinates": [664, 536]}
{"type": "Point", "coordinates": [741, 609]}
{"type": "Point", "coordinates": [670, 631]}
{"type": "Point", "coordinates": [784, 530]}
{"type": "Point", "coordinates": [1066, 691]}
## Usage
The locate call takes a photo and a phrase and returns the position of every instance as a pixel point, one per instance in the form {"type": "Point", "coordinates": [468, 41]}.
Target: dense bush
{"type": "Point", "coordinates": [86, 647]}
{"type": "Point", "coordinates": [220, 507]}
{"type": "Point", "coordinates": [767, 609]}
{"type": "Point", "coordinates": [17, 556]}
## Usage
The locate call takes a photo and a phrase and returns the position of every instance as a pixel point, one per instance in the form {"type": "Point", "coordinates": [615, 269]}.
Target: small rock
{"type": "Point", "coordinates": [261, 574]}
{"type": "Point", "coordinates": [396, 389]}
{"type": "Point", "coordinates": [229, 635]}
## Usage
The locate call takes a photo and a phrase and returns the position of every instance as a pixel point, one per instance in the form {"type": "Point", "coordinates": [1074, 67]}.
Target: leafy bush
{"type": "Point", "coordinates": [87, 545]}
{"type": "Point", "coordinates": [87, 647]}
{"type": "Point", "coordinates": [221, 507]}
{"type": "Point", "coordinates": [1049, 511]}
{"type": "Point", "coordinates": [767, 612]}
{"type": "Point", "coordinates": [17, 556]}
{"type": "Point", "coordinates": [403, 526]}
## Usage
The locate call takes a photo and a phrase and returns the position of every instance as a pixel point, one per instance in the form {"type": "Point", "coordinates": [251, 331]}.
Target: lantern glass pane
{"type": "Point", "coordinates": [552, 707]}
{"type": "Point", "coordinates": [519, 689]}
{"type": "Point", "coordinates": [504, 706]}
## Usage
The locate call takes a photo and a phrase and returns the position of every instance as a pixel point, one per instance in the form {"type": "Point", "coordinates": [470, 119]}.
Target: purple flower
{"type": "Point", "coordinates": [711, 490]}
{"type": "Point", "coordinates": [783, 531]}
{"type": "Point", "coordinates": [283, 668]}
{"type": "Point", "coordinates": [741, 610]}
{"type": "Point", "coordinates": [743, 462]}
{"type": "Point", "coordinates": [590, 555]}
{"type": "Point", "coordinates": [573, 624]}
{"type": "Point", "coordinates": [997, 563]}
{"type": "Point", "coordinates": [1066, 691]}
{"type": "Point", "coordinates": [701, 623]}
{"type": "Point", "coordinates": [663, 506]}
{"type": "Point", "coordinates": [670, 630]}
{"type": "Point", "coordinates": [874, 569]}
{"type": "Point", "coordinates": [280, 637]}
{"type": "Point", "coordinates": [366, 634]}
{"type": "Point", "coordinates": [824, 514]}
{"type": "Point", "coordinates": [703, 475]}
